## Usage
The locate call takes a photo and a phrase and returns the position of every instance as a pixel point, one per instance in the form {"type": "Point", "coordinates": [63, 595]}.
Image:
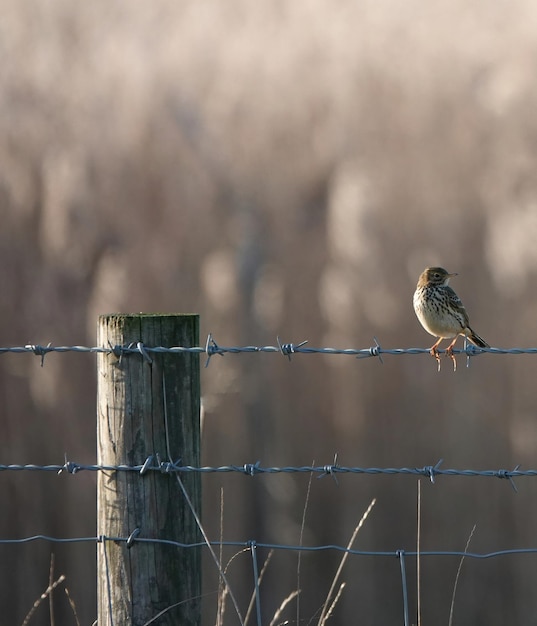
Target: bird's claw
{"type": "Point", "coordinates": [434, 352]}
{"type": "Point", "coordinates": [449, 353]}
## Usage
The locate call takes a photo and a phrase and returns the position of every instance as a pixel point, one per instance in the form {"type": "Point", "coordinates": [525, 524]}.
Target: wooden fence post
{"type": "Point", "coordinates": [136, 399]}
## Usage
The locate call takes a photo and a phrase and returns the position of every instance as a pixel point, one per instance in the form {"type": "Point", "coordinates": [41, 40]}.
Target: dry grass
{"type": "Point", "coordinates": [48, 594]}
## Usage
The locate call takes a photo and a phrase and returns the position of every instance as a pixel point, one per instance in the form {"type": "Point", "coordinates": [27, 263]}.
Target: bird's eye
{"type": "Point", "coordinates": [436, 275]}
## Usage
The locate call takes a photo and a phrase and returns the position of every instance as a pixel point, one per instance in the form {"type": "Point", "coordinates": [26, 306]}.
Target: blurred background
{"type": "Point", "coordinates": [280, 168]}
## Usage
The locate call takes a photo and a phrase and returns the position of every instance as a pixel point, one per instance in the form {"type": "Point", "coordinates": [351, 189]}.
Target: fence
{"type": "Point", "coordinates": [212, 348]}
{"type": "Point", "coordinates": [252, 545]}
{"type": "Point", "coordinates": [157, 466]}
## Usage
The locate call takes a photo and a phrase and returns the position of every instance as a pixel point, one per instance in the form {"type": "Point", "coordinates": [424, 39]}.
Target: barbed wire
{"type": "Point", "coordinates": [153, 463]}
{"type": "Point", "coordinates": [212, 348]}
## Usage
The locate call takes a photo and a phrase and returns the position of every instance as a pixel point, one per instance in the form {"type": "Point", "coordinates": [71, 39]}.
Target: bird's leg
{"type": "Point", "coordinates": [434, 352]}
{"type": "Point", "coordinates": [449, 353]}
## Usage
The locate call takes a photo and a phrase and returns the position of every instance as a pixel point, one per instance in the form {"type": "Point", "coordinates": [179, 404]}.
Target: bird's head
{"type": "Point", "coordinates": [437, 276]}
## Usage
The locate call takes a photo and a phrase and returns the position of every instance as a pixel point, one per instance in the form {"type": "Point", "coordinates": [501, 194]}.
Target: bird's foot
{"type": "Point", "coordinates": [449, 353]}
{"type": "Point", "coordinates": [434, 352]}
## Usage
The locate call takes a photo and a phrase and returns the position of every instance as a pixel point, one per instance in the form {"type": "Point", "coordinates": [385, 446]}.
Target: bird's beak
{"type": "Point", "coordinates": [453, 274]}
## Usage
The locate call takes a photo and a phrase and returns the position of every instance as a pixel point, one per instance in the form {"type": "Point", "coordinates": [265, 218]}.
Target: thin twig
{"type": "Point", "coordinates": [42, 597]}
{"type": "Point", "coordinates": [323, 618]}
{"type": "Point", "coordinates": [72, 605]}
{"type": "Point", "coordinates": [301, 538]}
{"type": "Point", "coordinates": [220, 605]}
{"type": "Point", "coordinates": [50, 581]}
{"type": "Point", "coordinates": [335, 601]}
{"type": "Point", "coordinates": [172, 606]}
{"type": "Point", "coordinates": [457, 576]}
{"type": "Point", "coordinates": [293, 594]}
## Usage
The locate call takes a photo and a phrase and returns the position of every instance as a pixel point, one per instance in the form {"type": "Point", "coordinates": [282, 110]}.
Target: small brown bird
{"type": "Point", "coordinates": [441, 312]}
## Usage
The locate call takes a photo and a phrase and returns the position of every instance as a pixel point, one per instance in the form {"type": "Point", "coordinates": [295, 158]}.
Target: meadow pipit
{"type": "Point", "coordinates": [441, 312]}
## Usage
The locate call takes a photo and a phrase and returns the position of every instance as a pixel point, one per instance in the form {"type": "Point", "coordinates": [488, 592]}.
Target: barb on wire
{"type": "Point", "coordinates": [509, 476]}
{"type": "Point", "coordinates": [146, 465]}
{"type": "Point", "coordinates": [39, 351]}
{"type": "Point", "coordinates": [375, 350]}
{"type": "Point", "coordinates": [116, 350]}
{"type": "Point", "coordinates": [69, 467]}
{"type": "Point", "coordinates": [251, 469]}
{"type": "Point", "coordinates": [211, 348]}
{"type": "Point", "coordinates": [287, 349]}
{"type": "Point", "coordinates": [330, 470]}
{"type": "Point", "coordinates": [431, 471]}
{"type": "Point", "coordinates": [143, 351]}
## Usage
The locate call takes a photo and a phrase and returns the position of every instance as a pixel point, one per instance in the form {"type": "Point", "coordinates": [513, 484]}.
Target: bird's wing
{"type": "Point", "coordinates": [456, 303]}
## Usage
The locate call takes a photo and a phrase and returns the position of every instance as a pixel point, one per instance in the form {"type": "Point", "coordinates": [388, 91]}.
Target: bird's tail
{"type": "Point", "coordinates": [477, 340]}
